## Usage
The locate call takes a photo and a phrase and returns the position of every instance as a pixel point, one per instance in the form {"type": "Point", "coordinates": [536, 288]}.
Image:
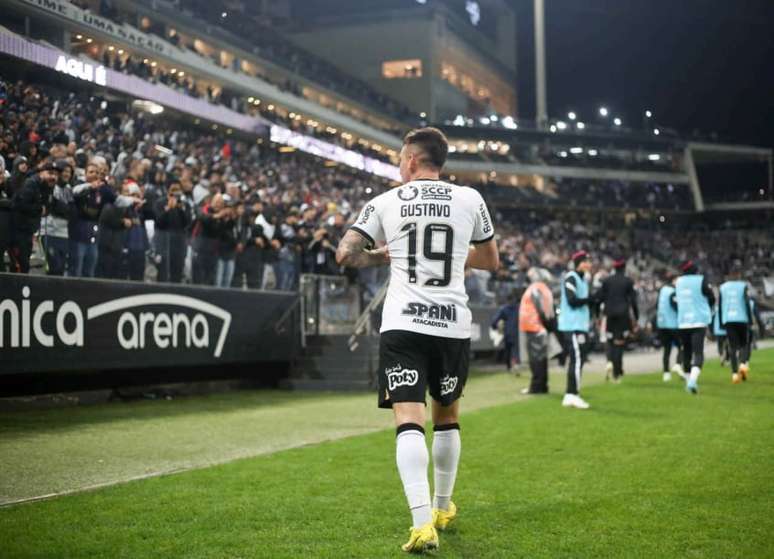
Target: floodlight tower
{"type": "Point", "coordinates": [541, 113]}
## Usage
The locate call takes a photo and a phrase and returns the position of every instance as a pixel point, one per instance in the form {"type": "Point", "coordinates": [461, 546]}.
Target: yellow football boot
{"type": "Point", "coordinates": [442, 518]}
{"type": "Point", "coordinates": [736, 378]}
{"type": "Point", "coordinates": [423, 539]}
{"type": "Point", "coordinates": [744, 370]}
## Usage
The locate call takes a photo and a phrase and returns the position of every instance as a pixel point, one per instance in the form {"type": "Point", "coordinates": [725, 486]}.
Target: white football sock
{"type": "Point", "coordinates": [412, 458]}
{"type": "Point", "coordinates": [695, 372]}
{"type": "Point", "coordinates": [446, 456]}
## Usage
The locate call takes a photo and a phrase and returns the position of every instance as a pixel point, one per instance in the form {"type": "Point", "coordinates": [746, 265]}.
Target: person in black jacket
{"type": "Point", "coordinates": [251, 251]}
{"type": "Point", "coordinates": [5, 215]}
{"type": "Point", "coordinates": [28, 206]}
{"type": "Point", "coordinates": [172, 221]}
{"type": "Point", "coordinates": [227, 245]}
{"type": "Point", "coordinates": [619, 298]}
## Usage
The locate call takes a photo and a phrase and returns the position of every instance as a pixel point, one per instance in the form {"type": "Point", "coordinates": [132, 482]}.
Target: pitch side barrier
{"type": "Point", "coordinates": [50, 325]}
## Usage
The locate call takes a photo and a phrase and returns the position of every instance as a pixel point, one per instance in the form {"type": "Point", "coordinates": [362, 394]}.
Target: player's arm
{"type": "Point", "coordinates": [484, 256]}
{"type": "Point", "coordinates": [353, 251]}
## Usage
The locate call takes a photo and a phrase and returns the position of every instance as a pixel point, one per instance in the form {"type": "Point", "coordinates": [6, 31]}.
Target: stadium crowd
{"type": "Point", "coordinates": [246, 29]}
{"type": "Point", "coordinates": [140, 197]}
{"type": "Point", "coordinates": [105, 189]}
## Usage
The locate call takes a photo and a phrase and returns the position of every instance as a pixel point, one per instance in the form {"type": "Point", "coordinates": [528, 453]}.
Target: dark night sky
{"type": "Point", "coordinates": [698, 64]}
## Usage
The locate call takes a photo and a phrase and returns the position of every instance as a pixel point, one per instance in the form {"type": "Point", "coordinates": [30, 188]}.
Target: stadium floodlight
{"type": "Point", "coordinates": [224, 15]}
{"type": "Point", "coordinates": [617, 121]}
{"type": "Point", "coordinates": [484, 120]}
{"type": "Point", "coordinates": [593, 152]}
{"type": "Point", "coordinates": [581, 125]}
{"type": "Point", "coordinates": [562, 153]}
{"type": "Point", "coordinates": [654, 157]}
{"type": "Point", "coordinates": [656, 131]}
{"type": "Point", "coordinates": [649, 114]}
{"type": "Point", "coordinates": [576, 150]}
{"type": "Point", "coordinates": [661, 218]}
{"type": "Point", "coordinates": [553, 128]}
{"type": "Point", "coordinates": [571, 115]}
{"type": "Point", "coordinates": [79, 36]}
{"type": "Point", "coordinates": [509, 123]}
{"type": "Point", "coordinates": [459, 120]}
{"type": "Point", "coordinates": [603, 111]}
{"type": "Point", "coordinates": [561, 125]}
{"type": "Point", "coordinates": [423, 114]}
{"type": "Point", "coordinates": [494, 118]}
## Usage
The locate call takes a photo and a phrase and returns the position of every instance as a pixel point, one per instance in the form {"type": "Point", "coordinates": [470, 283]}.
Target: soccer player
{"type": "Point", "coordinates": [721, 336]}
{"type": "Point", "coordinates": [736, 319]}
{"type": "Point", "coordinates": [695, 300]}
{"type": "Point", "coordinates": [536, 318]}
{"type": "Point", "coordinates": [666, 322]}
{"type": "Point", "coordinates": [574, 321]}
{"type": "Point", "coordinates": [621, 313]}
{"type": "Point", "coordinates": [428, 226]}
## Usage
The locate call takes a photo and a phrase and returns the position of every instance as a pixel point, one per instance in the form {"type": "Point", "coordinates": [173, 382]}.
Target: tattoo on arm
{"type": "Point", "coordinates": [353, 252]}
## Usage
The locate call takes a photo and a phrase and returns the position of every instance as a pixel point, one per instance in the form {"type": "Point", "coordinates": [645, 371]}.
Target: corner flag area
{"type": "Point", "coordinates": [649, 471]}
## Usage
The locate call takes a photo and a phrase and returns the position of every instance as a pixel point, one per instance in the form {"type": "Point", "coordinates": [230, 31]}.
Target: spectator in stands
{"type": "Point", "coordinates": [19, 173]}
{"type": "Point", "coordinates": [89, 199]}
{"type": "Point", "coordinates": [289, 256]}
{"type": "Point", "coordinates": [172, 220]}
{"type": "Point", "coordinates": [5, 214]}
{"type": "Point", "coordinates": [29, 204]}
{"type": "Point", "coordinates": [54, 227]}
{"type": "Point", "coordinates": [227, 243]}
{"type": "Point", "coordinates": [206, 238]}
{"type": "Point", "coordinates": [323, 253]}
{"type": "Point", "coordinates": [250, 261]}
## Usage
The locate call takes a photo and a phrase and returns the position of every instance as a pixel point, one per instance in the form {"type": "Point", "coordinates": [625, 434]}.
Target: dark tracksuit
{"type": "Point", "coordinates": [618, 295]}
{"type": "Point", "coordinates": [510, 315]}
{"type": "Point", "coordinates": [27, 205]}
{"type": "Point", "coordinates": [737, 333]}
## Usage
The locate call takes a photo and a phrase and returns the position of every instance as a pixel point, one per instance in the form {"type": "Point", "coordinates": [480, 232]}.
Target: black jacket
{"type": "Point", "coordinates": [28, 204]}
{"type": "Point", "coordinates": [618, 295]}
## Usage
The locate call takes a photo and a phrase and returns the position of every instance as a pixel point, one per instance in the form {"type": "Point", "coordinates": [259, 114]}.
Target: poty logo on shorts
{"type": "Point", "coordinates": [136, 328]}
{"type": "Point", "coordinates": [398, 376]}
{"type": "Point", "coordinates": [448, 384]}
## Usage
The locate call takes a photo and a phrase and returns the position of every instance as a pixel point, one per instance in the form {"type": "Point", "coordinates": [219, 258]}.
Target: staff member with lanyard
{"type": "Point", "coordinates": [695, 300]}
{"type": "Point", "coordinates": [574, 321]}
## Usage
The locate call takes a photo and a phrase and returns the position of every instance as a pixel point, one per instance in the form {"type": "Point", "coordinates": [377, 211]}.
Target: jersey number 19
{"type": "Point", "coordinates": [427, 251]}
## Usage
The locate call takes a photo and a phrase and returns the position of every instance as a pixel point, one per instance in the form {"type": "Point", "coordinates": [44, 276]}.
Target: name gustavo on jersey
{"type": "Point", "coordinates": [425, 209]}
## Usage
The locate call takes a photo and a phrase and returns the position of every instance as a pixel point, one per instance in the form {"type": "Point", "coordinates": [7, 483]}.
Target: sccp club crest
{"type": "Point", "coordinates": [408, 193]}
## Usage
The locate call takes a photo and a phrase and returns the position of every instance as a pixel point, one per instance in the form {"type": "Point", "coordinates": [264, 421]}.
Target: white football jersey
{"type": "Point", "coordinates": [428, 226]}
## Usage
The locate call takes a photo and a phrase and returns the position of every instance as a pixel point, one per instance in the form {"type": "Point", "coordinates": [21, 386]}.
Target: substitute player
{"type": "Point", "coordinates": [736, 319]}
{"type": "Point", "coordinates": [695, 300]}
{"type": "Point", "coordinates": [574, 322]}
{"type": "Point", "coordinates": [666, 323]}
{"type": "Point", "coordinates": [428, 226]}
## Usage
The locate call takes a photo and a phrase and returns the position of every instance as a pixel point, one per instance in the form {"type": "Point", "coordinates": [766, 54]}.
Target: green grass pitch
{"type": "Point", "coordinates": [649, 471]}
